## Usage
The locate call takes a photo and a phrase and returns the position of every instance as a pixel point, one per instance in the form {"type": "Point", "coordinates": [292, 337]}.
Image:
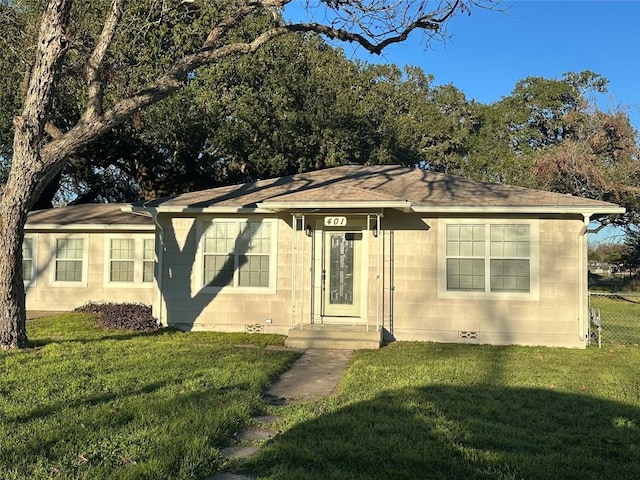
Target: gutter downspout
{"type": "Point", "coordinates": [583, 308]}
{"type": "Point", "coordinates": [160, 256]}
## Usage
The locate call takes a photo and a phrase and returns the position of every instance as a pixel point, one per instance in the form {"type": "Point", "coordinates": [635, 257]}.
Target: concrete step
{"type": "Point", "coordinates": [334, 336]}
{"type": "Point", "coordinates": [336, 343]}
{"type": "Point", "coordinates": [328, 332]}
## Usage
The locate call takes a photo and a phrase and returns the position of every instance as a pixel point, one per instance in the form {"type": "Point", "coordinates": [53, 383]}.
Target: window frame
{"type": "Point", "coordinates": [138, 261]}
{"type": "Point", "coordinates": [203, 225]}
{"type": "Point", "coordinates": [84, 260]}
{"type": "Point", "coordinates": [34, 256]}
{"type": "Point", "coordinates": [487, 293]}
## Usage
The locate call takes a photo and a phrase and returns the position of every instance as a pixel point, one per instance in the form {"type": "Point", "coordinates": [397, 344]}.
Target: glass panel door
{"type": "Point", "coordinates": [341, 276]}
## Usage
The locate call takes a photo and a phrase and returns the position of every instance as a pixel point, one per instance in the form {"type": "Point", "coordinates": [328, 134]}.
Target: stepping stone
{"type": "Point", "coordinates": [240, 452]}
{"type": "Point", "coordinates": [256, 435]}
{"type": "Point", "coordinates": [229, 476]}
{"type": "Point", "coordinates": [267, 419]}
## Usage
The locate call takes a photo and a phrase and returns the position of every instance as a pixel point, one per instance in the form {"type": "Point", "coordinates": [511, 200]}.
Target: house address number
{"type": "Point", "coordinates": [335, 221]}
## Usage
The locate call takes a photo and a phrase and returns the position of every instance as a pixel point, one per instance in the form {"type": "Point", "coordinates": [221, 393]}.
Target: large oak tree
{"type": "Point", "coordinates": [235, 27]}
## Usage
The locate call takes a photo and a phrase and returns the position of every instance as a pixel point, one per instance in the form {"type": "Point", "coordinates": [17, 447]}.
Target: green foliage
{"type": "Point", "coordinates": [298, 104]}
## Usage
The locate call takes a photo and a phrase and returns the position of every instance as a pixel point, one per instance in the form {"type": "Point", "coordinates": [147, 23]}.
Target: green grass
{"type": "Point", "coordinates": [620, 317]}
{"type": "Point", "coordinates": [86, 403]}
{"type": "Point", "coordinates": [430, 411]}
{"type": "Point", "coordinates": [93, 404]}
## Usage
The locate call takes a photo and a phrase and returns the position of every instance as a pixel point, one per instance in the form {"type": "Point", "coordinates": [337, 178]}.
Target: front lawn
{"type": "Point", "coordinates": [88, 403]}
{"type": "Point", "coordinates": [433, 411]}
{"type": "Point", "coordinates": [93, 404]}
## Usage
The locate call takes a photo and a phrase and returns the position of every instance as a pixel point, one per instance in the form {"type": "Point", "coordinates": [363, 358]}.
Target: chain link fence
{"type": "Point", "coordinates": [615, 319]}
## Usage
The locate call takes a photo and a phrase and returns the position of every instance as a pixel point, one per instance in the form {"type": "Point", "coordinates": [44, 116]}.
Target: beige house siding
{"type": "Point", "coordinates": [45, 293]}
{"type": "Point", "coordinates": [181, 300]}
{"type": "Point", "coordinates": [550, 316]}
{"type": "Point", "coordinates": [402, 284]}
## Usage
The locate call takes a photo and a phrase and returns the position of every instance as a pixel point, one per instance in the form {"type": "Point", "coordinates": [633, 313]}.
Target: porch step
{"type": "Point", "coordinates": [334, 336]}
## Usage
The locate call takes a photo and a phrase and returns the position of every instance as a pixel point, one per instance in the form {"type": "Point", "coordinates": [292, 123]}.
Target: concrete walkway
{"type": "Point", "coordinates": [313, 376]}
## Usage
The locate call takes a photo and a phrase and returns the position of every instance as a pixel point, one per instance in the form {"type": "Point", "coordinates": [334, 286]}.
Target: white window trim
{"type": "Point", "coordinates": [85, 261]}
{"type": "Point", "coordinates": [487, 294]}
{"type": "Point", "coordinates": [138, 260]}
{"type": "Point", "coordinates": [34, 257]}
{"type": "Point", "coordinates": [199, 286]}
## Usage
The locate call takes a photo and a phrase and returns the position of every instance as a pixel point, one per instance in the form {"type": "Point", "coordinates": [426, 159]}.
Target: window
{"type": "Point", "coordinates": [28, 271]}
{"type": "Point", "coordinates": [465, 257]}
{"type": "Point", "coordinates": [238, 254]}
{"type": "Point", "coordinates": [510, 251]}
{"type": "Point", "coordinates": [488, 258]}
{"type": "Point", "coordinates": [129, 259]}
{"type": "Point", "coordinates": [69, 254]}
{"type": "Point", "coordinates": [122, 260]}
{"type": "Point", "coordinates": [148, 261]}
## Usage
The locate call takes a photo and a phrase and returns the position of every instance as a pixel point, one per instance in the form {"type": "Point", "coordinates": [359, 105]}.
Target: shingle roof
{"type": "Point", "coordinates": [354, 183]}
{"type": "Point", "coordinates": [87, 214]}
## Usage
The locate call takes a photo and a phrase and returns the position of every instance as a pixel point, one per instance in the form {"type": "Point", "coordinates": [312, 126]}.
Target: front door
{"type": "Point", "coordinates": [341, 274]}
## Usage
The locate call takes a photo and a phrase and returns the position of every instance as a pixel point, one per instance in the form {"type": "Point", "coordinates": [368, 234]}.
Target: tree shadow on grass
{"type": "Point", "coordinates": [468, 432]}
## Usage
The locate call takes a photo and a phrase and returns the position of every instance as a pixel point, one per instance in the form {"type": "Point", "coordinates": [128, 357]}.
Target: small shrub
{"type": "Point", "coordinates": [121, 316]}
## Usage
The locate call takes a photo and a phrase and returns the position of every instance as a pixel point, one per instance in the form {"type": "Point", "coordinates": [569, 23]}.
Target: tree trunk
{"type": "Point", "coordinates": [14, 205]}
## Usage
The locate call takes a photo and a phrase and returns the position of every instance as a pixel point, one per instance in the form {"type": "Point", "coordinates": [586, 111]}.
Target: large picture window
{"type": "Point", "coordinates": [238, 254]}
{"type": "Point", "coordinates": [488, 258]}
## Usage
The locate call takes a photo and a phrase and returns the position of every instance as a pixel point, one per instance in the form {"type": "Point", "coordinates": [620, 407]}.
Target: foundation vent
{"type": "Point", "coordinates": [256, 328]}
{"type": "Point", "coordinates": [467, 335]}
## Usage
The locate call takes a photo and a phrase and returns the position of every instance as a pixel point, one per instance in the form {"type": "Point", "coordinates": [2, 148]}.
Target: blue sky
{"type": "Point", "coordinates": [488, 51]}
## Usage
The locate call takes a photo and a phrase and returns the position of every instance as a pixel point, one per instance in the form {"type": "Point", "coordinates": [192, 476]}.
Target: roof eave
{"type": "Point", "coordinates": [224, 209]}
{"type": "Point", "coordinates": [585, 210]}
{"type": "Point", "coordinates": [90, 227]}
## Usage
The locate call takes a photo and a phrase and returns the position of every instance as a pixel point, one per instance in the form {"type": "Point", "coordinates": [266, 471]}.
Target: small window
{"type": "Point", "coordinates": [148, 260]}
{"type": "Point", "coordinates": [465, 257]}
{"type": "Point", "coordinates": [238, 254]}
{"type": "Point", "coordinates": [28, 274]}
{"type": "Point", "coordinates": [122, 260]}
{"type": "Point", "coordinates": [510, 251]}
{"type": "Point", "coordinates": [129, 260]}
{"type": "Point", "coordinates": [69, 254]}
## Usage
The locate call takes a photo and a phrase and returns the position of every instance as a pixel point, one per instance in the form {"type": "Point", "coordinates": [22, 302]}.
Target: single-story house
{"type": "Point", "coordinates": [357, 252]}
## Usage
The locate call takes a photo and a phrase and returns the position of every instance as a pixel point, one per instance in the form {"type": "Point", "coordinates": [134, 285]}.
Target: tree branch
{"type": "Point", "coordinates": [50, 51]}
{"type": "Point", "coordinates": [96, 61]}
{"type": "Point", "coordinates": [91, 127]}
{"type": "Point", "coordinates": [232, 20]}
